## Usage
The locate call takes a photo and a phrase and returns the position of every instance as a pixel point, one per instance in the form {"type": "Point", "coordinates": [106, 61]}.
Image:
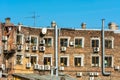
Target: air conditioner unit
{"type": "Point", "coordinates": [91, 73]}
{"type": "Point", "coordinates": [91, 78]}
{"type": "Point", "coordinates": [61, 68]}
{"type": "Point", "coordinates": [21, 62]}
{"type": "Point", "coordinates": [42, 48]}
{"type": "Point", "coordinates": [47, 67]}
{"type": "Point", "coordinates": [79, 74]}
{"type": "Point", "coordinates": [36, 66]}
{"type": "Point", "coordinates": [96, 73]}
{"type": "Point", "coordinates": [41, 67]}
{"type": "Point", "coordinates": [71, 43]}
{"type": "Point", "coordinates": [27, 55]}
{"type": "Point", "coordinates": [28, 65]}
{"type": "Point", "coordinates": [63, 48]}
{"type": "Point", "coordinates": [3, 66]}
{"type": "Point", "coordinates": [42, 41]}
{"type": "Point", "coordinates": [5, 47]}
{"type": "Point", "coordinates": [117, 67]}
{"type": "Point", "coordinates": [34, 48]}
{"type": "Point", "coordinates": [19, 47]}
{"type": "Point", "coordinates": [27, 48]}
{"type": "Point", "coordinates": [96, 49]}
{"type": "Point", "coordinates": [4, 38]}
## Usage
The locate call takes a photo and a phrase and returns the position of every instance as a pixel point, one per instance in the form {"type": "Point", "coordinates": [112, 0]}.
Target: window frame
{"type": "Point", "coordinates": [51, 41]}
{"type": "Point", "coordinates": [67, 61]}
{"type": "Point", "coordinates": [68, 40]}
{"type": "Point", "coordinates": [82, 38]}
{"type": "Point", "coordinates": [94, 38]}
{"type": "Point", "coordinates": [36, 59]}
{"type": "Point", "coordinates": [50, 56]}
{"type": "Point", "coordinates": [111, 61]}
{"type": "Point", "coordinates": [112, 40]}
{"type": "Point", "coordinates": [82, 60]}
{"type": "Point", "coordinates": [31, 38]}
{"type": "Point", "coordinates": [99, 62]}
{"type": "Point", "coordinates": [21, 60]}
{"type": "Point", "coordinates": [22, 36]}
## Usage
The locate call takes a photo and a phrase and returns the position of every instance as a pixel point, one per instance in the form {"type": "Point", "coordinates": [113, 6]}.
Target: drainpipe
{"type": "Point", "coordinates": [103, 51]}
{"type": "Point", "coordinates": [56, 50]}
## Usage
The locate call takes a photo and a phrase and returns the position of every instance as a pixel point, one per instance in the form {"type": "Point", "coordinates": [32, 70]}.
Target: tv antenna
{"type": "Point", "coordinates": [34, 18]}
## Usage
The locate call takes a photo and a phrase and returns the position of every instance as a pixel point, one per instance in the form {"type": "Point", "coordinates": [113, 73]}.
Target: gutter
{"type": "Point", "coordinates": [103, 51]}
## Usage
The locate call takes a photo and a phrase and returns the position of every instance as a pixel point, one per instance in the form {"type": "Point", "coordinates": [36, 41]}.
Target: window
{"type": "Point", "coordinates": [19, 59]}
{"type": "Point", "coordinates": [33, 60]}
{"type": "Point", "coordinates": [48, 42]}
{"type": "Point", "coordinates": [108, 61]}
{"type": "Point", "coordinates": [95, 61]}
{"type": "Point", "coordinates": [79, 42]}
{"type": "Point", "coordinates": [47, 60]}
{"type": "Point", "coordinates": [77, 61]}
{"type": "Point", "coordinates": [34, 40]}
{"type": "Point", "coordinates": [108, 43]}
{"type": "Point", "coordinates": [64, 61]}
{"type": "Point", "coordinates": [95, 42]}
{"type": "Point", "coordinates": [64, 42]}
{"type": "Point", "coordinates": [19, 39]}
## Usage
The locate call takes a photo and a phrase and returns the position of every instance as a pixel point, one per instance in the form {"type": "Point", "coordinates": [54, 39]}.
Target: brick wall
{"type": "Point", "coordinates": [71, 51]}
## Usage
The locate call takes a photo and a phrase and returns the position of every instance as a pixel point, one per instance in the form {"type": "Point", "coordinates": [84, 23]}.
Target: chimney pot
{"type": "Point", "coordinates": [83, 25]}
{"type": "Point", "coordinates": [113, 26]}
{"type": "Point", "coordinates": [53, 24]}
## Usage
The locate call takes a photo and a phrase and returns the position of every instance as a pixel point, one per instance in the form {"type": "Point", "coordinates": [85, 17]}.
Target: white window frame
{"type": "Point", "coordinates": [65, 37]}
{"type": "Point", "coordinates": [20, 60]}
{"type": "Point", "coordinates": [51, 40]}
{"type": "Point", "coordinates": [112, 64]}
{"type": "Point", "coordinates": [48, 55]}
{"type": "Point", "coordinates": [34, 56]}
{"type": "Point", "coordinates": [22, 38]}
{"type": "Point", "coordinates": [95, 38]}
{"type": "Point", "coordinates": [67, 59]}
{"type": "Point", "coordinates": [34, 36]}
{"type": "Point", "coordinates": [82, 59]}
{"type": "Point", "coordinates": [99, 64]}
{"type": "Point", "coordinates": [82, 41]}
{"type": "Point", "coordinates": [112, 39]}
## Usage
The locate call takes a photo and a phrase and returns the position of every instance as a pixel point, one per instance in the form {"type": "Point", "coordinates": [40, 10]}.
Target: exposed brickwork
{"type": "Point", "coordinates": [71, 51]}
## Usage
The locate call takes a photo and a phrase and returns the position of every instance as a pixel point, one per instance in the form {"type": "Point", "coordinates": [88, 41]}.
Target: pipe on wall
{"type": "Point", "coordinates": [56, 50]}
{"type": "Point", "coordinates": [103, 51]}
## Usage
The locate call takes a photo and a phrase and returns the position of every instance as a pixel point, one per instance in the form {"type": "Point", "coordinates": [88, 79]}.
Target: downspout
{"type": "Point", "coordinates": [56, 50]}
{"type": "Point", "coordinates": [103, 51]}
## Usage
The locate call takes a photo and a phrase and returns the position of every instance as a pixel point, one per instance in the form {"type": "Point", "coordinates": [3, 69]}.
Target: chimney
{"type": "Point", "coordinates": [7, 20]}
{"type": "Point", "coordinates": [53, 24]}
{"type": "Point", "coordinates": [83, 25]}
{"type": "Point", "coordinates": [113, 26]}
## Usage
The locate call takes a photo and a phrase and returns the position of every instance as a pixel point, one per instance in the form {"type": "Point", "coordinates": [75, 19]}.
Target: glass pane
{"type": "Point", "coordinates": [93, 42]}
{"type": "Point", "coordinates": [19, 39]}
{"type": "Point", "coordinates": [93, 60]}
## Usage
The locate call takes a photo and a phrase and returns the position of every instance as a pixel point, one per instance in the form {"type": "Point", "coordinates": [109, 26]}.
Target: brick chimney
{"type": "Point", "coordinates": [7, 20]}
{"type": "Point", "coordinates": [113, 26]}
{"type": "Point", "coordinates": [83, 25]}
{"type": "Point", "coordinates": [53, 24]}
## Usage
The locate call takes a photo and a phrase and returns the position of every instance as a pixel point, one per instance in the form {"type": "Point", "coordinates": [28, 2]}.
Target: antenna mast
{"type": "Point", "coordinates": [34, 18]}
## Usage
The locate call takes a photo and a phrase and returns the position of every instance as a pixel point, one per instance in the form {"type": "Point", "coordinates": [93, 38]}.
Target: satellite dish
{"type": "Point", "coordinates": [44, 30]}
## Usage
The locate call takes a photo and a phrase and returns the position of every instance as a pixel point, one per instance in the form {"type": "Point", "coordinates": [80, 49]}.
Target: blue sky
{"type": "Point", "coordinates": [66, 13]}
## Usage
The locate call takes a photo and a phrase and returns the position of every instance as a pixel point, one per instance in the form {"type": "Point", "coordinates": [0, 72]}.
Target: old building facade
{"type": "Point", "coordinates": [27, 50]}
